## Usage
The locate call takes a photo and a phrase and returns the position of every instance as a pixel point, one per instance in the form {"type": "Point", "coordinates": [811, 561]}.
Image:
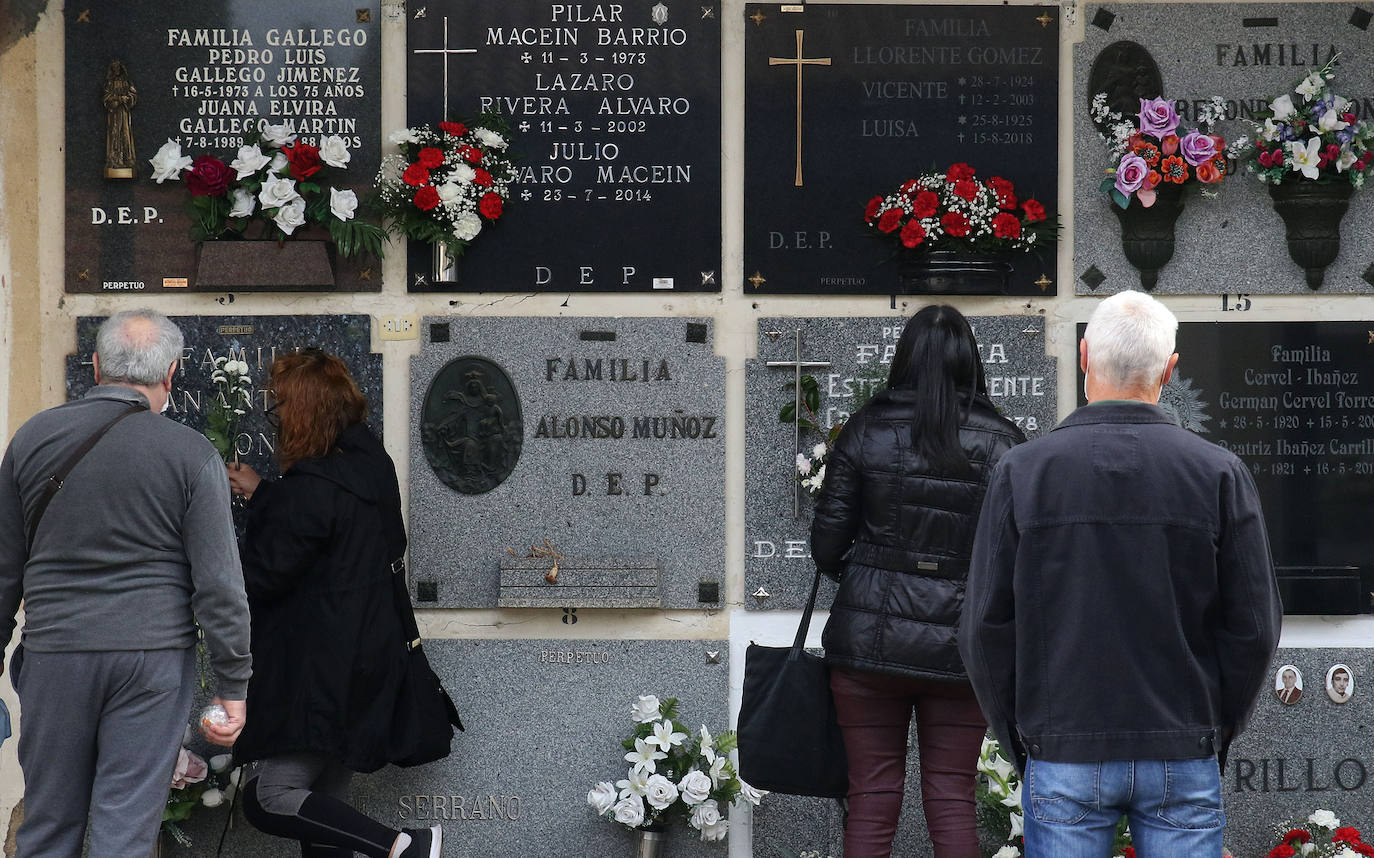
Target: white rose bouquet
{"type": "Point", "coordinates": [673, 773]}
{"type": "Point", "coordinates": [233, 387]}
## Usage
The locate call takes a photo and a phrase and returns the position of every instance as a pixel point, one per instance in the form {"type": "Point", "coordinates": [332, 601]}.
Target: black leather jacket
{"type": "Point", "coordinates": [898, 538]}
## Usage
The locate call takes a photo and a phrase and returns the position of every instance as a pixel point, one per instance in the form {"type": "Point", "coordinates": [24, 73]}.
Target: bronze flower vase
{"type": "Point", "coordinates": [1312, 213]}
{"type": "Point", "coordinates": [1147, 234]}
{"type": "Point", "coordinates": [652, 841]}
{"type": "Point", "coordinates": [949, 272]}
{"type": "Point", "coordinates": [444, 264]}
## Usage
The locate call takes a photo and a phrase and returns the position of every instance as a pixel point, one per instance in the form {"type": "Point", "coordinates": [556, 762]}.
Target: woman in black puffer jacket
{"type": "Point", "coordinates": [894, 525]}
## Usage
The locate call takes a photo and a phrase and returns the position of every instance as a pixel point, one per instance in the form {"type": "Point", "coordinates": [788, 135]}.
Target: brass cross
{"type": "Point", "coordinates": [1044, 20]}
{"type": "Point", "coordinates": [84, 17]}
{"type": "Point", "coordinates": [758, 18]}
{"type": "Point", "coordinates": [799, 61]}
{"type": "Point", "coordinates": [1044, 282]}
{"type": "Point", "coordinates": [758, 280]}
{"type": "Point", "coordinates": [796, 365]}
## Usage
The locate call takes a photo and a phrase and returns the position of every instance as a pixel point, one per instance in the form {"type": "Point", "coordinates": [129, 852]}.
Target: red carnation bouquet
{"type": "Point", "coordinates": [1321, 835]}
{"type": "Point", "coordinates": [955, 210]}
{"type": "Point", "coordinates": [447, 181]}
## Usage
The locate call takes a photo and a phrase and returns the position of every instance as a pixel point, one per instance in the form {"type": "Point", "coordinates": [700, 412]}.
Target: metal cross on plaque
{"type": "Point", "coordinates": [799, 61]}
{"type": "Point", "coordinates": [445, 51]}
{"type": "Point", "coordinates": [796, 365]}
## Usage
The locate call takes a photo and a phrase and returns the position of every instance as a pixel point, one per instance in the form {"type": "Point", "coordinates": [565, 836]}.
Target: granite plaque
{"type": "Point", "coordinates": [850, 358]}
{"type": "Point", "coordinates": [204, 75]}
{"type": "Point", "coordinates": [615, 121]}
{"type": "Point", "coordinates": [622, 459]}
{"type": "Point", "coordinates": [1228, 239]}
{"type": "Point", "coordinates": [843, 103]}
{"type": "Point", "coordinates": [255, 340]}
{"type": "Point", "coordinates": [506, 793]}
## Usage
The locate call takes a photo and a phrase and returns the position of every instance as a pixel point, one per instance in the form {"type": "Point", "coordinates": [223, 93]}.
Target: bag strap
{"type": "Point", "coordinates": [404, 610]}
{"type": "Point", "coordinates": [805, 625]}
{"type": "Point", "coordinates": [55, 481]}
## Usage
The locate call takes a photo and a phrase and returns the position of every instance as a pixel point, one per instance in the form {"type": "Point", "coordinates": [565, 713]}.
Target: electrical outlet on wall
{"type": "Point", "coordinates": [399, 327]}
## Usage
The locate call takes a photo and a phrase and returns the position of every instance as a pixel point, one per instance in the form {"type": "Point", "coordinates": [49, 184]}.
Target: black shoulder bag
{"type": "Point", "coordinates": [789, 737]}
{"type": "Point", "coordinates": [425, 717]}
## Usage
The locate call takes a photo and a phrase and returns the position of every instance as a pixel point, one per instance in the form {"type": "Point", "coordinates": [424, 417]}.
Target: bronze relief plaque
{"type": "Point", "coordinates": [471, 425]}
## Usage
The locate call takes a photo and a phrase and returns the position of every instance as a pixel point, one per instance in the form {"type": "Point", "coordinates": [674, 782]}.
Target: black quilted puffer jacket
{"type": "Point", "coordinates": [898, 538]}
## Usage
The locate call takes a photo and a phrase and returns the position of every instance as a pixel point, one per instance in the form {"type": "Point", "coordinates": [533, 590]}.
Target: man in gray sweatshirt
{"type": "Point", "coordinates": [133, 551]}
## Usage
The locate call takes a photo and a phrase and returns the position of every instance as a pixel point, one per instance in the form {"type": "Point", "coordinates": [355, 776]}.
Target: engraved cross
{"type": "Point", "coordinates": [445, 51]}
{"type": "Point", "coordinates": [799, 61]}
{"type": "Point", "coordinates": [796, 365]}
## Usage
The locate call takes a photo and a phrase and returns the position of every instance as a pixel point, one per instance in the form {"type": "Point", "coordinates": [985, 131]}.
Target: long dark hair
{"type": "Point", "coordinates": [937, 358]}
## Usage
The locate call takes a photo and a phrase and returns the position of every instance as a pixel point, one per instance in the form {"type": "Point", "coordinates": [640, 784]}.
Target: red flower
{"type": "Point", "coordinates": [1005, 190]}
{"type": "Point", "coordinates": [1264, 157]}
{"type": "Point", "coordinates": [1147, 150]}
{"type": "Point", "coordinates": [1208, 172]}
{"type": "Point", "coordinates": [1346, 833]}
{"type": "Point", "coordinates": [426, 198]}
{"type": "Point", "coordinates": [1174, 169]}
{"type": "Point", "coordinates": [209, 177]}
{"type": "Point", "coordinates": [959, 171]}
{"type": "Point", "coordinates": [871, 210]}
{"type": "Point", "coordinates": [955, 223]}
{"type": "Point", "coordinates": [481, 177]}
{"type": "Point", "coordinates": [1302, 835]}
{"type": "Point", "coordinates": [1169, 144]}
{"type": "Point", "coordinates": [455, 129]}
{"type": "Point", "coordinates": [925, 204]}
{"type": "Point", "coordinates": [913, 233]}
{"type": "Point", "coordinates": [471, 154]}
{"type": "Point", "coordinates": [890, 220]}
{"type": "Point", "coordinates": [431, 157]}
{"type": "Point", "coordinates": [1348, 117]}
{"type": "Point", "coordinates": [910, 186]}
{"type": "Point", "coordinates": [415, 175]}
{"type": "Point", "coordinates": [1006, 225]}
{"type": "Point", "coordinates": [490, 206]}
{"type": "Point", "coordinates": [1034, 211]}
{"type": "Point", "coordinates": [304, 159]}
{"type": "Point", "coordinates": [1283, 850]}
{"type": "Point", "coordinates": [966, 189]}
{"type": "Point", "coordinates": [1363, 848]}
{"type": "Point", "coordinates": [1128, 852]}
{"type": "Point", "coordinates": [1152, 180]}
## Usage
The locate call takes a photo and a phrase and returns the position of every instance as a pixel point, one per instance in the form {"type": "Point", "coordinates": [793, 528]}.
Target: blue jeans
{"type": "Point", "coordinates": [1173, 807]}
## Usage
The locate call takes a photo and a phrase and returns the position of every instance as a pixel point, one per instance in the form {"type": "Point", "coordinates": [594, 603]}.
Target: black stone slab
{"type": "Point", "coordinates": [199, 70]}
{"type": "Point", "coordinates": [906, 89]}
{"type": "Point", "coordinates": [615, 115]}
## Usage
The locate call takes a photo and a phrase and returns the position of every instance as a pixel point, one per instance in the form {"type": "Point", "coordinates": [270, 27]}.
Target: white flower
{"type": "Point", "coordinates": [449, 191]}
{"type": "Point", "coordinates": [695, 787]}
{"type": "Point", "coordinates": [820, 476]}
{"type": "Point", "coordinates": [660, 792]}
{"type": "Point", "coordinates": [334, 152]}
{"type": "Point", "coordinates": [750, 793]}
{"type": "Point", "coordinates": [1013, 798]}
{"type": "Point", "coordinates": [708, 744]}
{"type": "Point", "coordinates": [1347, 852]}
{"type": "Point", "coordinates": [819, 451]}
{"type": "Point", "coordinates": [1305, 158]}
{"type": "Point", "coordinates": [465, 228]}
{"type": "Point", "coordinates": [342, 204]}
{"type": "Point", "coordinates": [645, 709]}
{"type": "Point", "coordinates": [212, 797]}
{"type": "Point", "coordinates": [1270, 132]}
{"type": "Point", "coordinates": [278, 164]}
{"type": "Point", "coordinates": [1324, 818]}
{"type": "Point", "coordinates": [1282, 108]}
{"type": "Point", "coordinates": [635, 783]}
{"type": "Point", "coordinates": [803, 464]}
{"type": "Point", "coordinates": [243, 203]}
{"type": "Point", "coordinates": [1346, 160]}
{"type": "Point", "coordinates": [1310, 86]}
{"type": "Point", "coordinates": [404, 135]}
{"type": "Point", "coordinates": [1007, 852]}
{"type": "Point", "coordinates": [279, 135]}
{"type": "Point", "coordinates": [169, 162]}
{"type": "Point", "coordinates": [277, 191]}
{"type": "Point", "coordinates": [602, 797]}
{"type": "Point", "coordinates": [489, 138]}
{"type": "Point", "coordinates": [629, 811]}
{"type": "Point", "coordinates": [220, 762]}
{"type": "Point", "coordinates": [716, 831]}
{"type": "Point", "coordinates": [706, 813]}
{"type": "Point", "coordinates": [1331, 121]}
{"type": "Point", "coordinates": [717, 771]}
{"type": "Point", "coordinates": [250, 160]}
{"type": "Point", "coordinates": [665, 736]}
{"type": "Point", "coordinates": [1017, 825]}
{"type": "Point", "coordinates": [291, 216]}
{"type": "Point", "coordinates": [462, 174]}
{"type": "Point", "coordinates": [644, 756]}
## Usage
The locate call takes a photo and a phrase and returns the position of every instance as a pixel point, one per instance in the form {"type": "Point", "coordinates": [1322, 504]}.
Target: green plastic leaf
{"type": "Point", "coordinates": [1121, 199]}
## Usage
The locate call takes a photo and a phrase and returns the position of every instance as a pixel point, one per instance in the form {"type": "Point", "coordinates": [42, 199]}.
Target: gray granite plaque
{"type": "Point", "coordinates": [1228, 239]}
{"type": "Point", "coordinates": [256, 340]}
{"type": "Point", "coordinates": [544, 720]}
{"type": "Point", "coordinates": [621, 456]}
{"type": "Point", "coordinates": [778, 568]}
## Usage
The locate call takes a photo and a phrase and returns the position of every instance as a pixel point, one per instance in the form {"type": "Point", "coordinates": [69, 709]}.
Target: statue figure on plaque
{"type": "Point", "coordinates": [471, 428]}
{"type": "Point", "coordinates": [119, 98]}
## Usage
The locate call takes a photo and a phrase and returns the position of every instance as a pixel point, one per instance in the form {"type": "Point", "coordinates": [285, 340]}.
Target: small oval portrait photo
{"type": "Point", "coordinates": [1340, 683]}
{"type": "Point", "coordinates": [1288, 685]}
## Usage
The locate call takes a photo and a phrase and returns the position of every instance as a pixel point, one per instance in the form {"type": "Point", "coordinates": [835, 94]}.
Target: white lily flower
{"type": "Point", "coordinates": [1305, 158]}
{"type": "Point", "coordinates": [635, 783]}
{"type": "Point", "coordinates": [1013, 798]}
{"type": "Point", "coordinates": [1331, 121]}
{"type": "Point", "coordinates": [644, 757]}
{"type": "Point", "coordinates": [1007, 852]}
{"type": "Point", "coordinates": [1310, 86]}
{"type": "Point", "coordinates": [1346, 160]}
{"type": "Point", "coordinates": [1018, 823]}
{"type": "Point", "coordinates": [665, 737]}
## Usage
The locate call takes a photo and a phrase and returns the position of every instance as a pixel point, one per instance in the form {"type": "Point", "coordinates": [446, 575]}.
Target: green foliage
{"type": "Point", "coordinates": [811, 403]}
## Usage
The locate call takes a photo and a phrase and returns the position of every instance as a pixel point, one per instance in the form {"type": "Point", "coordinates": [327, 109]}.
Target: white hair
{"type": "Point", "coordinates": [1130, 337]}
{"type": "Point", "coordinates": [133, 353]}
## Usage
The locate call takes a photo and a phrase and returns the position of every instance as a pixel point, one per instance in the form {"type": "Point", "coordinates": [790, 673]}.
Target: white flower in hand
{"type": "Point", "coordinates": [291, 216]}
{"type": "Point", "coordinates": [1305, 158]}
{"type": "Point", "coordinates": [750, 793]}
{"type": "Point", "coordinates": [629, 811]}
{"type": "Point", "coordinates": [1282, 108]}
{"type": "Point", "coordinates": [645, 709]}
{"type": "Point", "coordinates": [635, 783]}
{"type": "Point", "coordinates": [602, 797]}
{"type": "Point", "coordinates": [212, 797]}
{"type": "Point", "coordinates": [665, 737]}
{"type": "Point", "coordinates": [660, 792]}
{"type": "Point", "coordinates": [1018, 823]}
{"type": "Point", "coordinates": [1013, 798]}
{"type": "Point", "coordinates": [220, 762]}
{"type": "Point", "coordinates": [250, 160]}
{"type": "Point", "coordinates": [803, 464]}
{"type": "Point", "coordinates": [1007, 852]}
{"type": "Point", "coordinates": [819, 451]}
{"type": "Point", "coordinates": [1325, 818]}
{"type": "Point", "coordinates": [169, 162]}
{"type": "Point", "coordinates": [342, 204]}
{"type": "Point", "coordinates": [644, 756]}
{"type": "Point", "coordinates": [243, 203]}
{"type": "Point", "coordinates": [466, 226]}
{"type": "Point", "coordinates": [334, 152]}
{"type": "Point", "coordinates": [694, 787]}
{"type": "Point", "coordinates": [277, 191]}
{"type": "Point", "coordinates": [279, 135]}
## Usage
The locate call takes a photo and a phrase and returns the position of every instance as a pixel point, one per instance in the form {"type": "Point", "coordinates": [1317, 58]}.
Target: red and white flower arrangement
{"type": "Point", "coordinates": [955, 210]}
{"type": "Point", "coordinates": [1321, 835]}
{"type": "Point", "coordinates": [276, 182]}
{"type": "Point", "coordinates": [447, 182]}
{"type": "Point", "coordinates": [1152, 149]}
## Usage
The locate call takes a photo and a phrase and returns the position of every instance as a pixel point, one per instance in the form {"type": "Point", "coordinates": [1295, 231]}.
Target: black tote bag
{"type": "Point", "coordinates": [424, 718]}
{"type": "Point", "coordinates": [789, 738]}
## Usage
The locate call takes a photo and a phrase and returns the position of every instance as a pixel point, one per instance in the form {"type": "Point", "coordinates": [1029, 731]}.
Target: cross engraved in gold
{"type": "Point", "coordinates": [758, 280]}
{"type": "Point", "coordinates": [364, 16]}
{"type": "Point", "coordinates": [1044, 19]}
{"type": "Point", "coordinates": [1044, 282]}
{"type": "Point", "coordinates": [84, 17]}
{"type": "Point", "coordinates": [799, 61]}
{"type": "Point", "coordinates": [365, 274]}
{"type": "Point", "coordinates": [758, 18]}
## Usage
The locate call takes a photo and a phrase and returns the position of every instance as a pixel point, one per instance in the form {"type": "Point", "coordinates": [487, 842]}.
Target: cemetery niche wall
{"type": "Point", "coordinates": [849, 358]}
{"type": "Point", "coordinates": [614, 113]}
{"type": "Point", "coordinates": [1228, 236]}
{"type": "Point", "coordinates": [569, 462]}
{"type": "Point", "coordinates": [205, 76]}
{"type": "Point", "coordinates": [846, 102]}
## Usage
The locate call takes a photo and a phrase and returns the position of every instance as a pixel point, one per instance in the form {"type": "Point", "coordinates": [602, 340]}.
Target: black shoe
{"type": "Point", "coordinates": [424, 843]}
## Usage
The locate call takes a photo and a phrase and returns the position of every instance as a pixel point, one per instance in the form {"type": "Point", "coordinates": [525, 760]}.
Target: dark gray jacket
{"type": "Point", "coordinates": [1121, 598]}
{"type": "Point", "coordinates": [137, 541]}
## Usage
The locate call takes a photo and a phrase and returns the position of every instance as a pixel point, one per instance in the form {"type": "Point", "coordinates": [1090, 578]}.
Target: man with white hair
{"type": "Point", "coordinates": [1121, 608]}
{"type": "Point", "coordinates": [115, 532]}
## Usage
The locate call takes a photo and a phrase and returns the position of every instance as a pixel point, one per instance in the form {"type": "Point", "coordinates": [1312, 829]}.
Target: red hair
{"type": "Point", "coordinates": [316, 401]}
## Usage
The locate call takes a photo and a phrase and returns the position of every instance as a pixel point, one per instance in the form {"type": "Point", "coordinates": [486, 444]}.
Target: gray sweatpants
{"type": "Point", "coordinates": [98, 738]}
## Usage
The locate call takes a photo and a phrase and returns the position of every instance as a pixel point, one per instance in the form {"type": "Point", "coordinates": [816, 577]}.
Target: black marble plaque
{"type": "Point", "coordinates": [1295, 401]}
{"type": "Point", "coordinates": [615, 122]}
{"type": "Point", "coordinates": [255, 340]}
{"type": "Point", "coordinates": [844, 103]}
{"type": "Point", "coordinates": [205, 74]}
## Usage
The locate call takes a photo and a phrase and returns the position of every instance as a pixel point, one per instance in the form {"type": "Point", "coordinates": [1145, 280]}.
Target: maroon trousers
{"type": "Point", "coordinates": [875, 715]}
